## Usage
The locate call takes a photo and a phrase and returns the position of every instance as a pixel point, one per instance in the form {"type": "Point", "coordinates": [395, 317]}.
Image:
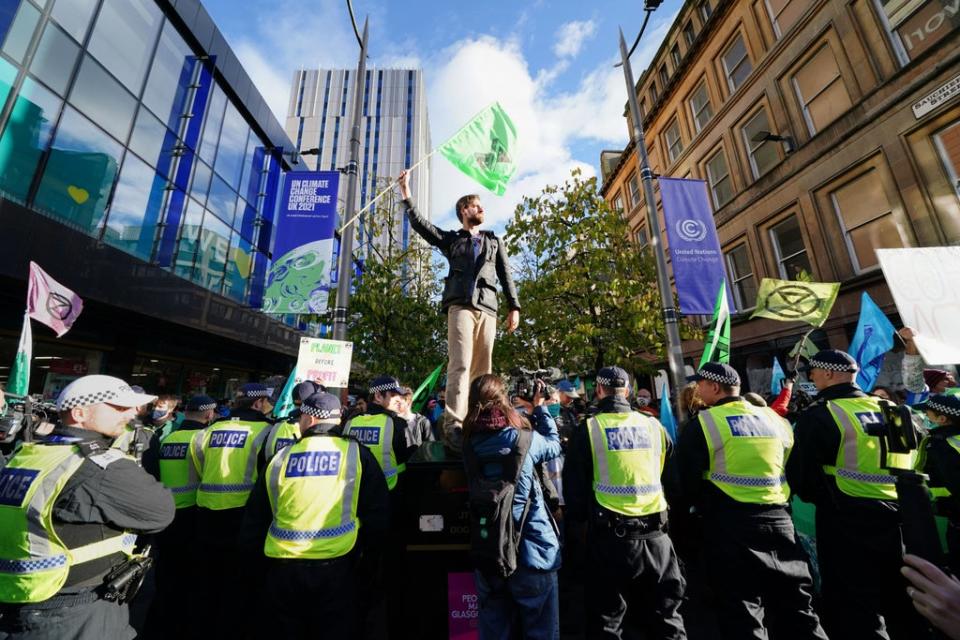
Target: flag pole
{"type": "Point", "coordinates": [385, 191]}
{"type": "Point", "coordinates": [674, 350]}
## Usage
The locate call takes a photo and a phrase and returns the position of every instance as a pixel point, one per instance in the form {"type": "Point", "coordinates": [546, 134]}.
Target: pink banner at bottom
{"type": "Point", "coordinates": [463, 606]}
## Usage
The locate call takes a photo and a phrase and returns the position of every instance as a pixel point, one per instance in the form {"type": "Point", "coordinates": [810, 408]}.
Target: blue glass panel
{"type": "Point", "coordinates": [222, 200]}
{"type": "Point", "coordinates": [258, 280]}
{"type": "Point", "coordinates": [27, 133]}
{"type": "Point", "coordinates": [8, 9]}
{"type": "Point", "coordinates": [55, 58]}
{"type": "Point", "coordinates": [154, 142]}
{"type": "Point", "coordinates": [123, 39]}
{"type": "Point", "coordinates": [135, 209]}
{"type": "Point", "coordinates": [233, 147]}
{"type": "Point", "coordinates": [239, 267]}
{"type": "Point", "coordinates": [212, 259]}
{"type": "Point", "coordinates": [201, 181]}
{"type": "Point", "coordinates": [166, 92]}
{"type": "Point", "coordinates": [74, 16]}
{"type": "Point", "coordinates": [269, 203]}
{"type": "Point", "coordinates": [103, 99]}
{"type": "Point", "coordinates": [189, 244]}
{"type": "Point", "coordinates": [21, 31]}
{"type": "Point", "coordinates": [79, 175]}
{"type": "Point", "coordinates": [211, 130]}
{"type": "Point", "coordinates": [8, 74]}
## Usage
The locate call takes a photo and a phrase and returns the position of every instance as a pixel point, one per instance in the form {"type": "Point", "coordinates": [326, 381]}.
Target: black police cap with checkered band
{"type": "Point", "coordinates": [942, 403]}
{"type": "Point", "coordinates": [254, 390]}
{"type": "Point", "coordinates": [719, 373]}
{"type": "Point", "coordinates": [381, 384]}
{"type": "Point", "coordinates": [201, 403]}
{"type": "Point", "coordinates": [833, 360]}
{"type": "Point", "coordinates": [613, 377]}
{"type": "Point", "coordinates": [322, 405]}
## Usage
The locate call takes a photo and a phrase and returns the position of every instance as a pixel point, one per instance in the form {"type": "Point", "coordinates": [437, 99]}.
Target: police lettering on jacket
{"type": "Point", "coordinates": [366, 435]}
{"type": "Point", "coordinates": [14, 485]}
{"type": "Point", "coordinates": [232, 439]}
{"type": "Point", "coordinates": [745, 426]}
{"type": "Point", "coordinates": [627, 438]}
{"type": "Point", "coordinates": [174, 451]}
{"type": "Point", "coordinates": [313, 463]}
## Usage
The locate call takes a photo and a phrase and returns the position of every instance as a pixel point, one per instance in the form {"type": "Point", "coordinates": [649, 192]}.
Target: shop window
{"type": "Point", "coordinates": [789, 250]}
{"type": "Point", "coordinates": [742, 280]}
{"type": "Point", "coordinates": [700, 106]}
{"type": "Point", "coordinates": [103, 100]}
{"type": "Point", "coordinates": [674, 140]}
{"type": "Point", "coordinates": [947, 142]}
{"type": "Point", "coordinates": [135, 209]}
{"type": "Point", "coordinates": [718, 177]}
{"type": "Point", "coordinates": [21, 31]}
{"type": "Point", "coordinates": [764, 154]}
{"type": "Point", "coordinates": [27, 133]}
{"type": "Point", "coordinates": [79, 174]}
{"type": "Point", "coordinates": [915, 26]}
{"type": "Point", "coordinates": [867, 219]}
{"type": "Point", "coordinates": [784, 14]}
{"type": "Point", "coordinates": [820, 89]}
{"type": "Point", "coordinates": [634, 186]}
{"type": "Point", "coordinates": [736, 63]}
{"type": "Point", "coordinates": [123, 39]}
{"type": "Point", "coordinates": [74, 16]}
{"type": "Point", "coordinates": [55, 58]}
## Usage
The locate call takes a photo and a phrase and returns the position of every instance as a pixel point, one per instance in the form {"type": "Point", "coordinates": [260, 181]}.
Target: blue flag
{"type": "Point", "coordinates": [777, 378]}
{"type": "Point", "coordinates": [666, 414]}
{"type": "Point", "coordinates": [872, 339]}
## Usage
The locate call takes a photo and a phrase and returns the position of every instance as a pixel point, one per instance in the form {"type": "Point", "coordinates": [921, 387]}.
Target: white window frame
{"type": "Point", "coordinates": [753, 146]}
{"type": "Point", "coordinates": [705, 10]}
{"type": "Point", "coordinates": [706, 105]}
{"type": "Point", "coordinates": [711, 182]}
{"type": "Point", "coordinates": [732, 275]}
{"type": "Point", "coordinates": [728, 70]}
{"type": "Point", "coordinates": [776, 246]}
{"type": "Point", "coordinates": [773, 17]}
{"type": "Point", "coordinates": [634, 195]}
{"type": "Point", "coordinates": [678, 143]}
{"type": "Point", "coordinates": [805, 104]}
{"type": "Point", "coordinates": [675, 56]}
{"type": "Point", "coordinates": [689, 35]}
{"type": "Point", "coordinates": [847, 230]}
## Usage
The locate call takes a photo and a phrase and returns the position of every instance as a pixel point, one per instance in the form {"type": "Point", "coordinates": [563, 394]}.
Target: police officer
{"type": "Point", "coordinates": [732, 459]}
{"type": "Point", "coordinates": [836, 465]}
{"type": "Point", "coordinates": [230, 457]}
{"type": "Point", "coordinates": [567, 419]}
{"type": "Point", "coordinates": [177, 579]}
{"type": "Point", "coordinates": [939, 458]}
{"type": "Point", "coordinates": [70, 507]}
{"type": "Point", "coordinates": [317, 513]}
{"type": "Point", "coordinates": [614, 469]}
{"type": "Point", "coordinates": [286, 431]}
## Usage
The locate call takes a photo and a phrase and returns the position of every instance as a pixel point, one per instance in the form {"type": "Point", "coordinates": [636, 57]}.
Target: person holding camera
{"type": "Point", "coordinates": [836, 464]}
{"type": "Point", "coordinates": [615, 471]}
{"type": "Point", "coordinates": [939, 458]}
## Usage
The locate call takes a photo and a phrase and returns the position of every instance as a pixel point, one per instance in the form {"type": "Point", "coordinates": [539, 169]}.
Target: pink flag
{"type": "Point", "coordinates": [50, 302]}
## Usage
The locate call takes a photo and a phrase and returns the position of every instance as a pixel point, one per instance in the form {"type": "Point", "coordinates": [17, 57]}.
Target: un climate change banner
{"type": "Point", "coordinates": [299, 279]}
{"type": "Point", "coordinates": [694, 249]}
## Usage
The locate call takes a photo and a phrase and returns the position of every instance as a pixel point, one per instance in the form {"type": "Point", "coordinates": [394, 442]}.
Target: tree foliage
{"type": "Point", "coordinates": [589, 294]}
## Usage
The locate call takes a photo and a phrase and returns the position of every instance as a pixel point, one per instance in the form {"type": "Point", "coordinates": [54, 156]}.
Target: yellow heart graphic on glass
{"type": "Point", "coordinates": [79, 195]}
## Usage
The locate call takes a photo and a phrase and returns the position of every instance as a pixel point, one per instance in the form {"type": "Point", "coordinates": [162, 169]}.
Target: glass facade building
{"type": "Point", "coordinates": [132, 123]}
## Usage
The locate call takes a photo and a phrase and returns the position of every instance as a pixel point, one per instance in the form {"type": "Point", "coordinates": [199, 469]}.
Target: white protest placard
{"type": "Point", "coordinates": [324, 361]}
{"type": "Point", "coordinates": [924, 283]}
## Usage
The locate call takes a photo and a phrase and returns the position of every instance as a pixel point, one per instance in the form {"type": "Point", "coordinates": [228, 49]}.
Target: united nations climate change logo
{"type": "Point", "coordinates": [691, 230]}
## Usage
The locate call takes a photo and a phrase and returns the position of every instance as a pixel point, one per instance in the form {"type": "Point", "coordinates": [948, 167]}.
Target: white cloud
{"type": "Point", "coordinates": [571, 36]}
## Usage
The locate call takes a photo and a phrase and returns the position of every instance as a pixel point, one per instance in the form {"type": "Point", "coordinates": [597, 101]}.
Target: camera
{"type": "Point", "coordinates": [14, 425]}
{"type": "Point", "coordinates": [528, 382]}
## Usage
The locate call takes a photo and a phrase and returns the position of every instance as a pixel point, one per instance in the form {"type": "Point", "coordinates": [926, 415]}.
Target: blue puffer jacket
{"type": "Point", "coordinates": [539, 543]}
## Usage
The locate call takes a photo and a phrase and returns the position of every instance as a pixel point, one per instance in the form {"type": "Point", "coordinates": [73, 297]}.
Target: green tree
{"type": "Point", "coordinates": [589, 295]}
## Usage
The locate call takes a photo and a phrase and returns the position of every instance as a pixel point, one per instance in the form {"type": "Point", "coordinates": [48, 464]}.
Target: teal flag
{"type": "Point", "coordinates": [871, 341]}
{"type": "Point", "coordinates": [425, 389]}
{"type": "Point", "coordinates": [666, 414]}
{"type": "Point", "coordinates": [777, 377]}
{"type": "Point", "coordinates": [20, 374]}
{"type": "Point", "coordinates": [485, 149]}
{"type": "Point", "coordinates": [284, 406]}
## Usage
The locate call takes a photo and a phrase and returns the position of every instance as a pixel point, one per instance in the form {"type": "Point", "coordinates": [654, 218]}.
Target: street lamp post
{"type": "Point", "coordinates": [674, 351]}
{"type": "Point", "coordinates": [345, 268]}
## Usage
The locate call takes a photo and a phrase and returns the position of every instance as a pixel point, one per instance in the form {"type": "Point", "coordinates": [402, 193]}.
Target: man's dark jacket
{"type": "Point", "coordinates": [471, 281]}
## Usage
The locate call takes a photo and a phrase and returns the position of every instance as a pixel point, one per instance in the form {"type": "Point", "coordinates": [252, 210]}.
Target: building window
{"type": "Point", "coordinates": [820, 90]}
{"type": "Point", "coordinates": [867, 219]}
{"type": "Point", "coordinates": [700, 107]}
{"type": "Point", "coordinates": [915, 26]}
{"type": "Point", "coordinates": [643, 109]}
{"type": "Point", "coordinates": [788, 247]}
{"type": "Point", "coordinates": [764, 155]}
{"type": "Point", "coordinates": [689, 35]}
{"type": "Point", "coordinates": [705, 10]}
{"type": "Point", "coordinates": [640, 237]}
{"type": "Point", "coordinates": [675, 56]}
{"type": "Point", "coordinates": [736, 63]}
{"type": "Point", "coordinates": [618, 203]}
{"type": "Point", "coordinates": [718, 177]}
{"type": "Point", "coordinates": [123, 39]}
{"type": "Point", "coordinates": [947, 142]}
{"type": "Point", "coordinates": [654, 96]}
{"type": "Point", "coordinates": [784, 14]}
{"type": "Point", "coordinates": [634, 186]}
{"type": "Point", "coordinates": [743, 283]}
{"type": "Point", "coordinates": [27, 133]}
{"type": "Point", "coordinates": [664, 75]}
{"type": "Point", "coordinates": [674, 140]}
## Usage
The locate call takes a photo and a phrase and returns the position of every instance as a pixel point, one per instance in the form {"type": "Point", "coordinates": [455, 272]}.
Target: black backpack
{"type": "Point", "coordinates": [494, 537]}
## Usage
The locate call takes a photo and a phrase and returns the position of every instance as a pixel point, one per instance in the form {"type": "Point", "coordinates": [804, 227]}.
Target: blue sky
{"type": "Point", "coordinates": [549, 62]}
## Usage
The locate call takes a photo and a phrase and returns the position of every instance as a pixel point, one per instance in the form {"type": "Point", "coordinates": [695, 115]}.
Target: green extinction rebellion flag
{"type": "Point", "coordinates": [792, 300]}
{"type": "Point", "coordinates": [485, 149]}
{"type": "Point", "coordinates": [19, 384]}
{"type": "Point", "coordinates": [717, 346]}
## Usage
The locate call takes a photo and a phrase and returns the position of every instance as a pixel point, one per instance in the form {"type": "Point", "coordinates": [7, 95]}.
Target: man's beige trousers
{"type": "Point", "coordinates": [470, 335]}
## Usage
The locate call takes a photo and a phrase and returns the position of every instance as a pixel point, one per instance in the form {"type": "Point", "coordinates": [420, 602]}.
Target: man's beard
{"type": "Point", "coordinates": [475, 219]}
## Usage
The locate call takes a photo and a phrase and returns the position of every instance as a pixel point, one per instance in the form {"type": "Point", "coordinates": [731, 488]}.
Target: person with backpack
{"type": "Point", "coordinates": [615, 466]}
{"type": "Point", "coordinates": [514, 541]}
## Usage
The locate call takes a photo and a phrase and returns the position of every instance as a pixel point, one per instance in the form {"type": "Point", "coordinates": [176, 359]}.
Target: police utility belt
{"type": "Point", "coordinates": [632, 527]}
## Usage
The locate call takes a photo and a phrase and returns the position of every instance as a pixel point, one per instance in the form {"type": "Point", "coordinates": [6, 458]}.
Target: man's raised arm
{"type": "Point", "coordinates": [427, 230]}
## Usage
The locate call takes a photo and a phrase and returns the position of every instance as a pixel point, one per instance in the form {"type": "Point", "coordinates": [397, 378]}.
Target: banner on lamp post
{"type": "Point", "coordinates": [299, 278]}
{"type": "Point", "coordinates": [694, 248]}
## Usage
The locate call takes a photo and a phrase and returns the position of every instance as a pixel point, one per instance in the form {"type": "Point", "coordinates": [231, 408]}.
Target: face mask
{"type": "Point", "coordinates": [158, 413]}
{"type": "Point", "coordinates": [641, 401]}
{"type": "Point", "coordinates": [553, 410]}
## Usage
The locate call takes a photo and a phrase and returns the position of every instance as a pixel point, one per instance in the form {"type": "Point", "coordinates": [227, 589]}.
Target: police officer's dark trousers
{"type": "Point", "coordinates": [309, 599]}
{"type": "Point", "coordinates": [82, 616]}
{"type": "Point", "coordinates": [759, 576]}
{"type": "Point", "coordinates": [860, 556]}
{"type": "Point", "coordinates": [633, 579]}
{"type": "Point", "coordinates": [177, 578]}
